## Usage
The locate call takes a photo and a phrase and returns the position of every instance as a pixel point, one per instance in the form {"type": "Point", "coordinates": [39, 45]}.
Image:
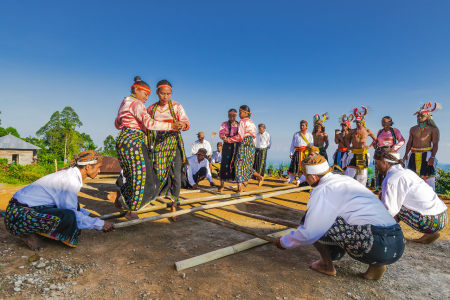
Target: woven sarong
{"type": "Point", "coordinates": [49, 221]}
{"type": "Point", "coordinates": [244, 157]}
{"type": "Point", "coordinates": [296, 162]}
{"type": "Point", "coordinates": [418, 163]}
{"type": "Point", "coordinates": [423, 224]}
{"type": "Point", "coordinates": [260, 161]}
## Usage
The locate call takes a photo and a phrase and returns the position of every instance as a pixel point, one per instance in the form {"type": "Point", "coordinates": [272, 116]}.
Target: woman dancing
{"type": "Point", "coordinates": [228, 129]}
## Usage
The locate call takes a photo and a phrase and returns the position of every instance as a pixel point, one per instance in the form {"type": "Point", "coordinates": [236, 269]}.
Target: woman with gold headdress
{"type": "Point", "coordinates": [141, 185]}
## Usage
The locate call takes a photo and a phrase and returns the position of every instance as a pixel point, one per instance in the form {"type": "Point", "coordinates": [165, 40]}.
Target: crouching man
{"type": "Point", "coordinates": [344, 216]}
{"type": "Point", "coordinates": [49, 206]}
{"type": "Point", "coordinates": [409, 198]}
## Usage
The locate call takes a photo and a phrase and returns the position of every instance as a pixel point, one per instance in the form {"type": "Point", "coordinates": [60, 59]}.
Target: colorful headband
{"type": "Point", "coordinates": [141, 87]}
{"type": "Point", "coordinates": [344, 120]}
{"type": "Point", "coordinates": [164, 85]}
{"type": "Point", "coordinates": [360, 116]}
{"type": "Point", "coordinates": [318, 121]}
{"type": "Point", "coordinates": [232, 112]}
{"type": "Point", "coordinates": [246, 111]}
{"type": "Point", "coordinates": [428, 108]}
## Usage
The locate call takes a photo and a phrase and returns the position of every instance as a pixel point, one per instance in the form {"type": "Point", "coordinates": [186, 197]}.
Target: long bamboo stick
{"type": "Point", "coordinates": [290, 200]}
{"type": "Point", "coordinates": [260, 217]}
{"type": "Point", "coordinates": [278, 206]}
{"type": "Point", "coordinates": [209, 191]}
{"type": "Point", "coordinates": [209, 206]}
{"type": "Point", "coordinates": [194, 200]}
{"type": "Point", "coordinates": [219, 253]}
{"type": "Point", "coordinates": [235, 227]}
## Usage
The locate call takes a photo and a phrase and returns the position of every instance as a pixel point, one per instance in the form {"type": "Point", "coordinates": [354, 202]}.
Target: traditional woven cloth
{"type": "Point", "coordinates": [142, 185]}
{"type": "Point", "coordinates": [260, 161]}
{"type": "Point", "coordinates": [424, 224]}
{"type": "Point", "coordinates": [368, 244]}
{"type": "Point", "coordinates": [300, 154]}
{"type": "Point", "coordinates": [244, 157]}
{"type": "Point", "coordinates": [51, 222]}
{"type": "Point", "coordinates": [85, 158]}
{"type": "Point", "coordinates": [418, 162]}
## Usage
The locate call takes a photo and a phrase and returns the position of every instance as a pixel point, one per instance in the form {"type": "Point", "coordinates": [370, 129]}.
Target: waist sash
{"type": "Point", "coordinates": [418, 157]}
{"type": "Point", "coordinates": [360, 157]}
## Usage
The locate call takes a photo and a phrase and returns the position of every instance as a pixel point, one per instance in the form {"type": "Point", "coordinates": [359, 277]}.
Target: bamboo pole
{"type": "Point", "coordinates": [209, 206]}
{"type": "Point", "coordinates": [194, 200]}
{"type": "Point", "coordinates": [209, 191]}
{"type": "Point", "coordinates": [260, 217]}
{"type": "Point", "coordinates": [235, 227]}
{"type": "Point", "coordinates": [207, 257]}
{"type": "Point", "coordinates": [289, 200]}
{"type": "Point", "coordinates": [278, 206]}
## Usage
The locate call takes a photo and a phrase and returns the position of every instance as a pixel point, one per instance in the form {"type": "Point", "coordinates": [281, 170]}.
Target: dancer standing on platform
{"type": "Point", "coordinates": [263, 142]}
{"type": "Point", "coordinates": [245, 150]}
{"type": "Point", "coordinates": [341, 154]}
{"type": "Point", "coordinates": [389, 138]}
{"type": "Point", "coordinates": [356, 142]}
{"type": "Point", "coordinates": [141, 183]}
{"type": "Point", "coordinates": [320, 137]}
{"type": "Point", "coordinates": [409, 199]}
{"type": "Point", "coordinates": [228, 129]}
{"type": "Point", "coordinates": [423, 143]}
{"type": "Point", "coordinates": [167, 147]}
{"type": "Point", "coordinates": [299, 150]}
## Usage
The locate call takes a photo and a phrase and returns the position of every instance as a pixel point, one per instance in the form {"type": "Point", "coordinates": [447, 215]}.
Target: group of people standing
{"type": "Point", "coordinates": [343, 216]}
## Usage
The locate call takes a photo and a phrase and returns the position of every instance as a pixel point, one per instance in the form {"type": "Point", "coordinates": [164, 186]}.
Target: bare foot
{"type": "Point", "coordinates": [260, 181]}
{"type": "Point", "coordinates": [428, 238]}
{"type": "Point", "coordinates": [131, 215]}
{"type": "Point", "coordinates": [287, 181]}
{"type": "Point", "coordinates": [245, 183]}
{"type": "Point", "coordinates": [321, 267]}
{"type": "Point", "coordinates": [33, 242]}
{"type": "Point", "coordinates": [374, 272]}
{"type": "Point", "coordinates": [221, 189]}
{"type": "Point", "coordinates": [239, 188]}
{"type": "Point", "coordinates": [297, 183]}
{"type": "Point", "coordinates": [114, 198]}
{"type": "Point", "coordinates": [174, 209]}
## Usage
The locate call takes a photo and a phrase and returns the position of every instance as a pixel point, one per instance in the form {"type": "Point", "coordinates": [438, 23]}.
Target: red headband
{"type": "Point", "coordinates": [246, 111]}
{"type": "Point", "coordinates": [164, 85]}
{"type": "Point", "coordinates": [141, 87]}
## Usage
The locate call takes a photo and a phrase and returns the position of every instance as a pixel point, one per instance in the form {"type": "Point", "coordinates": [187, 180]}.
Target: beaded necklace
{"type": "Point", "coordinates": [422, 126]}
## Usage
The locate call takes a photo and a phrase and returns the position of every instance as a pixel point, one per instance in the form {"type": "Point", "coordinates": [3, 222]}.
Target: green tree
{"type": "Point", "coordinates": [9, 130]}
{"type": "Point", "coordinates": [109, 146]}
{"type": "Point", "coordinates": [88, 143]}
{"type": "Point", "coordinates": [60, 132]}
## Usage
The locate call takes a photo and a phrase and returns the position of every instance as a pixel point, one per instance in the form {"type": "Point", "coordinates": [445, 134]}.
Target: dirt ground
{"type": "Point", "coordinates": [138, 262]}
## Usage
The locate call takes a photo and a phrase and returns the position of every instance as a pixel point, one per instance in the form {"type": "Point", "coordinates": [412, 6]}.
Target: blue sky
{"type": "Point", "coordinates": [287, 60]}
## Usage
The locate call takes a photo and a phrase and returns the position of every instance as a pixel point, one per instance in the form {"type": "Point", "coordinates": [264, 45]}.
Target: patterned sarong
{"type": "Point", "coordinates": [359, 159]}
{"type": "Point", "coordinates": [418, 162]}
{"type": "Point", "coordinates": [142, 184]}
{"type": "Point", "coordinates": [340, 158]}
{"type": "Point", "coordinates": [296, 162]}
{"type": "Point", "coordinates": [423, 224]}
{"type": "Point", "coordinates": [243, 161]}
{"type": "Point", "coordinates": [49, 221]}
{"type": "Point", "coordinates": [368, 244]}
{"type": "Point", "coordinates": [260, 161]}
{"type": "Point", "coordinates": [323, 152]}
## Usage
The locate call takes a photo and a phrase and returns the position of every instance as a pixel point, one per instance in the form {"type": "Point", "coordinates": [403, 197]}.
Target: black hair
{"type": "Point", "coordinates": [163, 82]}
{"type": "Point", "coordinates": [232, 110]}
{"type": "Point", "coordinates": [245, 108]}
{"type": "Point", "coordinates": [138, 80]}
{"type": "Point", "coordinates": [219, 144]}
{"type": "Point", "coordinates": [390, 119]}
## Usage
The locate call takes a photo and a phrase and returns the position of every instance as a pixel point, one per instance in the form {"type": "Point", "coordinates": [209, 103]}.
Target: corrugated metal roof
{"type": "Point", "coordinates": [110, 165]}
{"type": "Point", "coordinates": [11, 142]}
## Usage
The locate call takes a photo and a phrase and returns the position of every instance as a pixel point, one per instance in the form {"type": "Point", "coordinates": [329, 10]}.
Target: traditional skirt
{"type": "Point", "coordinates": [296, 162]}
{"type": "Point", "coordinates": [142, 185]}
{"type": "Point", "coordinates": [260, 161]}
{"type": "Point", "coordinates": [227, 172]}
{"type": "Point", "coordinates": [167, 162]}
{"type": "Point", "coordinates": [244, 157]}
{"type": "Point", "coordinates": [340, 158]}
{"type": "Point", "coordinates": [49, 221]}
{"type": "Point", "coordinates": [323, 152]}
{"type": "Point", "coordinates": [378, 176]}
{"type": "Point", "coordinates": [359, 159]}
{"type": "Point", "coordinates": [369, 244]}
{"type": "Point", "coordinates": [418, 162]}
{"type": "Point", "coordinates": [423, 224]}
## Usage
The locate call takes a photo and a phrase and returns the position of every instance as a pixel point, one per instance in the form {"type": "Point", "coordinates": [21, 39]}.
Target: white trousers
{"type": "Point", "coordinates": [361, 176]}
{"type": "Point", "coordinates": [291, 177]}
{"type": "Point", "coordinates": [301, 179]}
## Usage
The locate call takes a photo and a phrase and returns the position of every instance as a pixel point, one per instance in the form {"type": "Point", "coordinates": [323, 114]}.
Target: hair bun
{"type": "Point", "coordinates": [137, 78]}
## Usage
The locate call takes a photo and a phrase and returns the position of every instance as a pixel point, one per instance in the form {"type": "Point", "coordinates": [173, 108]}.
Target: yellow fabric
{"type": "Point", "coordinates": [360, 158]}
{"type": "Point", "coordinates": [418, 157]}
{"type": "Point", "coordinates": [360, 151]}
{"type": "Point", "coordinates": [304, 138]}
{"type": "Point", "coordinates": [421, 149]}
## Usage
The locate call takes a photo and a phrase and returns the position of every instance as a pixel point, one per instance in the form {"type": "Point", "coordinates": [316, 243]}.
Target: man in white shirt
{"type": "Point", "coordinates": [344, 216]}
{"type": "Point", "coordinates": [409, 198]}
{"type": "Point", "coordinates": [216, 160]}
{"type": "Point", "coordinates": [299, 150]}
{"type": "Point", "coordinates": [197, 170]}
{"type": "Point", "coordinates": [49, 206]}
{"type": "Point", "coordinates": [263, 142]}
{"type": "Point", "coordinates": [201, 143]}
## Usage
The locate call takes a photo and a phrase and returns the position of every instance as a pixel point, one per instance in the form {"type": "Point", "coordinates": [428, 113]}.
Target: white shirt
{"type": "Point", "coordinates": [194, 166]}
{"type": "Point", "coordinates": [217, 157]}
{"type": "Point", "coordinates": [263, 140]}
{"type": "Point", "coordinates": [197, 145]}
{"type": "Point", "coordinates": [403, 187]}
{"type": "Point", "coordinates": [337, 196]}
{"type": "Point", "coordinates": [61, 189]}
{"type": "Point", "coordinates": [298, 141]}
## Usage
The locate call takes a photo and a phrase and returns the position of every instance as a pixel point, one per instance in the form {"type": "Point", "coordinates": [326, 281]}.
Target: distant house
{"type": "Point", "coordinates": [17, 151]}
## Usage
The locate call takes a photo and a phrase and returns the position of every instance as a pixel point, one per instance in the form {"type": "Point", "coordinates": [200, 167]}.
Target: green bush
{"type": "Point", "coordinates": [20, 175]}
{"type": "Point", "coordinates": [442, 186]}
